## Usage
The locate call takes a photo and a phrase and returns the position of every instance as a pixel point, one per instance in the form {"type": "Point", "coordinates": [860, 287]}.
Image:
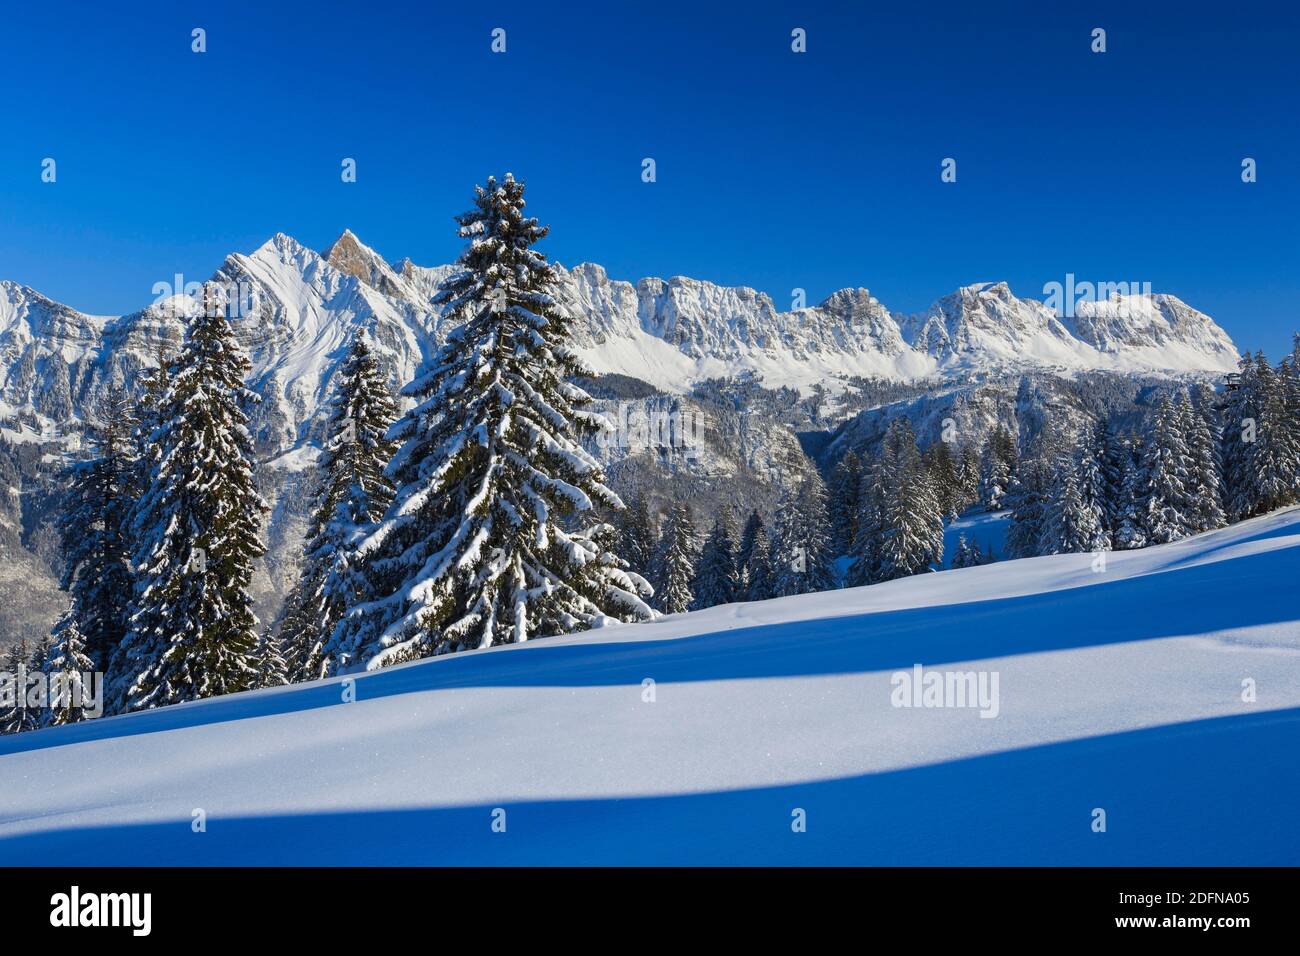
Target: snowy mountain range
{"type": "Point", "coordinates": [298, 309]}
{"type": "Point", "coordinates": [796, 373]}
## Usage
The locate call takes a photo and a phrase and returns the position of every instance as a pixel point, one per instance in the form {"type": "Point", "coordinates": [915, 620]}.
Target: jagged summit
{"type": "Point", "coordinates": [301, 308]}
{"type": "Point", "coordinates": [350, 255]}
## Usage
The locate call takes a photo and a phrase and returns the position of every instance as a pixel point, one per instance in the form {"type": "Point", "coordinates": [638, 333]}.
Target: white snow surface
{"type": "Point", "coordinates": [1120, 689]}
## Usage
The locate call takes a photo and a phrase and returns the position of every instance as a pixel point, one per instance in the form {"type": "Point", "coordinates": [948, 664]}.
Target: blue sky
{"type": "Point", "coordinates": [776, 170]}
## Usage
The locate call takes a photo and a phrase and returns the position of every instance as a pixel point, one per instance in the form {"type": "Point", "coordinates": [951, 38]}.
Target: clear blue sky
{"type": "Point", "coordinates": [775, 170]}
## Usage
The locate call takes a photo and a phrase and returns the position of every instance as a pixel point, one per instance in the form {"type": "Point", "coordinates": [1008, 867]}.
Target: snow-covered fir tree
{"type": "Point", "coordinates": [152, 387]}
{"type": "Point", "coordinates": [1097, 492]}
{"type": "Point", "coordinates": [1129, 530]}
{"type": "Point", "coordinates": [716, 580]}
{"type": "Point", "coordinates": [68, 659]}
{"type": "Point", "coordinates": [1240, 423]}
{"type": "Point", "coordinates": [493, 535]}
{"type": "Point", "coordinates": [968, 475]}
{"type": "Point", "coordinates": [353, 494]}
{"type": "Point", "coordinates": [865, 550]}
{"type": "Point", "coordinates": [804, 560]}
{"type": "Point", "coordinates": [754, 560]}
{"type": "Point", "coordinates": [636, 535]}
{"type": "Point", "coordinates": [760, 583]}
{"type": "Point", "coordinates": [1289, 374]}
{"type": "Point", "coordinates": [1111, 455]}
{"type": "Point", "coordinates": [15, 716]}
{"type": "Point", "coordinates": [1262, 439]}
{"type": "Point", "coordinates": [1276, 459]}
{"type": "Point", "coordinates": [1164, 476]}
{"type": "Point", "coordinates": [269, 659]}
{"type": "Point", "coordinates": [997, 468]}
{"type": "Point", "coordinates": [675, 558]}
{"type": "Point", "coordinates": [1072, 518]}
{"type": "Point", "coordinates": [197, 530]}
{"type": "Point", "coordinates": [1027, 500]}
{"type": "Point", "coordinates": [910, 521]}
{"type": "Point", "coordinates": [966, 555]}
{"type": "Point", "coordinates": [1075, 512]}
{"type": "Point", "coordinates": [941, 465]}
{"type": "Point", "coordinates": [94, 535]}
{"type": "Point", "coordinates": [1206, 483]}
{"type": "Point", "coordinates": [845, 491]}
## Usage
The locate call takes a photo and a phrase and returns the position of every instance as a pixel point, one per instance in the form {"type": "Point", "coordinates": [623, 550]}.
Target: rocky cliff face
{"type": "Point", "coordinates": [296, 310]}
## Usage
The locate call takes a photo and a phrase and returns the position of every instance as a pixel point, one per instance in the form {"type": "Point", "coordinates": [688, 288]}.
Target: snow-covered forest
{"type": "Point", "coordinates": [473, 510]}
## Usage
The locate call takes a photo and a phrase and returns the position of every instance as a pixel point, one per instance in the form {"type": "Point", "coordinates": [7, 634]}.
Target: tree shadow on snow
{"type": "Point", "coordinates": [1209, 792]}
{"type": "Point", "coordinates": [1246, 591]}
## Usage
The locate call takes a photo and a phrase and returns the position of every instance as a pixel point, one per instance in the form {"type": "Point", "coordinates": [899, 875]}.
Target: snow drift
{"type": "Point", "coordinates": [1120, 690]}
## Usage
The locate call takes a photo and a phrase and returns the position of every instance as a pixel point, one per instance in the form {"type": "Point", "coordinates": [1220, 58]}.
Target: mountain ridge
{"type": "Point", "coordinates": [296, 311]}
{"type": "Point", "coordinates": [299, 307]}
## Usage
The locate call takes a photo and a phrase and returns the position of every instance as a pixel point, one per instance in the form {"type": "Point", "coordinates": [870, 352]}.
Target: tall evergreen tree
{"type": "Point", "coordinates": [941, 465]}
{"type": "Point", "coordinates": [804, 558]}
{"type": "Point", "coordinates": [1073, 518]}
{"type": "Point", "coordinates": [1261, 437]}
{"type": "Point", "coordinates": [910, 521]}
{"type": "Point", "coordinates": [1075, 515]}
{"type": "Point", "coordinates": [636, 535]}
{"type": "Point", "coordinates": [1206, 479]}
{"type": "Point", "coordinates": [1130, 530]}
{"type": "Point", "coordinates": [15, 716]}
{"type": "Point", "coordinates": [492, 537]}
{"type": "Point", "coordinates": [1027, 500]}
{"type": "Point", "coordinates": [674, 565]}
{"type": "Point", "coordinates": [1273, 458]}
{"type": "Point", "coordinates": [1164, 475]}
{"type": "Point", "coordinates": [1289, 373]}
{"type": "Point", "coordinates": [760, 583]}
{"type": "Point", "coordinates": [845, 491]}
{"type": "Point", "coordinates": [1111, 455]}
{"type": "Point", "coordinates": [94, 535]}
{"type": "Point", "coordinates": [715, 575]}
{"type": "Point", "coordinates": [269, 659]}
{"type": "Point", "coordinates": [865, 552]}
{"type": "Point", "coordinates": [966, 556]}
{"type": "Point", "coordinates": [968, 476]}
{"type": "Point", "coordinates": [997, 469]}
{"type": "Point", "coordinates": [1236, 441]}
{"type": "Point", "coordinates": [197, 526]}
{"type": "Point", "coordinates": [753, 560]}
{"type": "Point", "coordinates": [353, 495]}
{"type": "Point", "coordinates": [69, 662]}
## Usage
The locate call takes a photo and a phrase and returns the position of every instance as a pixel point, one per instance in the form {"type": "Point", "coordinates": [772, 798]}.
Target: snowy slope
{"type": "Point", "coordinates": [1119, 690]}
